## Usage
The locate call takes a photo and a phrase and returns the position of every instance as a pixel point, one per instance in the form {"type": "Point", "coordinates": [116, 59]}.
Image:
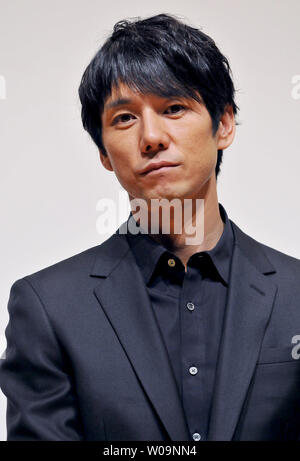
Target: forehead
{"type": "Point", "coordinates": [119, 98]}
{"type": "Point", "coordinates": [121, 91]}
{"type": "Point", "coordinates": [124, 94]}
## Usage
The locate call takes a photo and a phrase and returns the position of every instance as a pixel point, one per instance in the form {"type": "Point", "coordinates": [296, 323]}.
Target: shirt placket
{"type": "Point", "coordinates": [192, 352]}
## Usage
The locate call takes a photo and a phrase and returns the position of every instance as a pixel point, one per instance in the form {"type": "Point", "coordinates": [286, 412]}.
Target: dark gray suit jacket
{"type": "Point", "coordinates": [86, 361]}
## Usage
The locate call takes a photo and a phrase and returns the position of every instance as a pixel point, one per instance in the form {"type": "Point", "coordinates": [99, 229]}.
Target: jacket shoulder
{"type": "Point", "coordinates": [287, 267]}
{"type": "Point", "coordinates": [79, 261]}
{"type": "Point", "coordinates": [67, 272]}
{"type": "Point", "coordinates": [279, 257]}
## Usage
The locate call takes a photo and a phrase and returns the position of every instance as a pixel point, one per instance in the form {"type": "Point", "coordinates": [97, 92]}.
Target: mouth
{"type": "Point", "coordinates": [158, 168]}
{"type": "Point", "coordinates": [157, 171]}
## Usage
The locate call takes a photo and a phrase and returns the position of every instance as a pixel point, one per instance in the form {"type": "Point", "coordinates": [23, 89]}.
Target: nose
{"type": "Point", "coordinates": [154, 136]}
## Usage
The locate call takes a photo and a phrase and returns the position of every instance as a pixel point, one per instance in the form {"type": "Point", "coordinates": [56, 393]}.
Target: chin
{"type": "Point", "coordinates": [169, 190]}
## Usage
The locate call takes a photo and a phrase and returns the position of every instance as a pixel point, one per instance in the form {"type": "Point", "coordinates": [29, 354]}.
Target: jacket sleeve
{"type": "Point", "coordinates": [41, 400]}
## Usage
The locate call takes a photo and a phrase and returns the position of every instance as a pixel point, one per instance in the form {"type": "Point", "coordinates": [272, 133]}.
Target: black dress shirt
{"type": "Point", "coordinates": [189, 307]}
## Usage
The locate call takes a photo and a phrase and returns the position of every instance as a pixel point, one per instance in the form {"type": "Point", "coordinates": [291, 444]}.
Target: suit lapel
{"type": "Point", "coordinates": [249, 304]}
{"type": "Point", "coordinates": [124, 299]}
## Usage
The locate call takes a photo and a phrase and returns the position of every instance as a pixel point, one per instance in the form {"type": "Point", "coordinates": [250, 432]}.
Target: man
{"type": "Point", "coordinates": [148, 336]}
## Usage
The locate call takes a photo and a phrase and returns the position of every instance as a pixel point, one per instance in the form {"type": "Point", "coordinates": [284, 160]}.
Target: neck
{"type": "Point", "coordinates": [205, 219]}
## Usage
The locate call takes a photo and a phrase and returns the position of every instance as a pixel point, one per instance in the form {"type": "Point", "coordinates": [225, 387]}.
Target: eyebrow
{"type": "Point", "coordinates": [118, 102]}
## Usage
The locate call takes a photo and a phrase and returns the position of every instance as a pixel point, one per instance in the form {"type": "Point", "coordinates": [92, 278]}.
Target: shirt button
{"type": "Point", "coordinates": [193, 370]}
{"type": "Point", "coordinates": [190, 306]}
{"type": "Point", "coordinates": [196, 437]}
{"type": "Point", "coordinates": [171, 262]}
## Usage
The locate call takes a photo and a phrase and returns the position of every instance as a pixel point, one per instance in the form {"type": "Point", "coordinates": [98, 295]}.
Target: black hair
{"type": "Point", "coordinates": [159, 55]}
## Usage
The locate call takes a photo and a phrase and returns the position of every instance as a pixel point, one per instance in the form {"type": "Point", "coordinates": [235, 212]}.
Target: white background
{"type": "Point", "coordinates": [51, 176]}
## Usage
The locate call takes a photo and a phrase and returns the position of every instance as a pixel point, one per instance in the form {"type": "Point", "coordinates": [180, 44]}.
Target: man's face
{"type": "Point", "coordinates": [139, 131]}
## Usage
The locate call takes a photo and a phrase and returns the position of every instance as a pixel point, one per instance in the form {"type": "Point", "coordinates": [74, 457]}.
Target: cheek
{"type": "Point", "coordinates": [123, 160]}
{"type": "Point", "coordinates": [199, 148]}
{"type": "Point", "coordinates": [117, 148]}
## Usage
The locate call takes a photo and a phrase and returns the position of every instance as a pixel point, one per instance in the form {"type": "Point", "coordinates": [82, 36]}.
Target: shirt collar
{"type": "Point", "coordinates": [148, 252]}
{"type": "Point", "coordinates": [222, 252]}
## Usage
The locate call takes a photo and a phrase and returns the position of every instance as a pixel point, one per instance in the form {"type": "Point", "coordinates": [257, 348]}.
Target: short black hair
{"type": "Point", "coordinates": [159, 55]}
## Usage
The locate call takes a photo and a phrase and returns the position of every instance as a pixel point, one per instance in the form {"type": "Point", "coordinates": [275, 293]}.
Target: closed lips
{"type": "Point", "coordinates": [156, 166]}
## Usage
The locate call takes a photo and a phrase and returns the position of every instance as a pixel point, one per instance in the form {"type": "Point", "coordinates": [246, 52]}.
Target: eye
{"type": "Point", "coordinates": [175, 108]}
{"type": "Point", "coordinates": [122, 118]}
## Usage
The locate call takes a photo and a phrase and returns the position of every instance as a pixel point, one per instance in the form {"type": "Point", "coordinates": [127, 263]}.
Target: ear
{"type": "Point", "coordinates": [105, 161]}
{"type": "Point", "coordinates": [226, 130]}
